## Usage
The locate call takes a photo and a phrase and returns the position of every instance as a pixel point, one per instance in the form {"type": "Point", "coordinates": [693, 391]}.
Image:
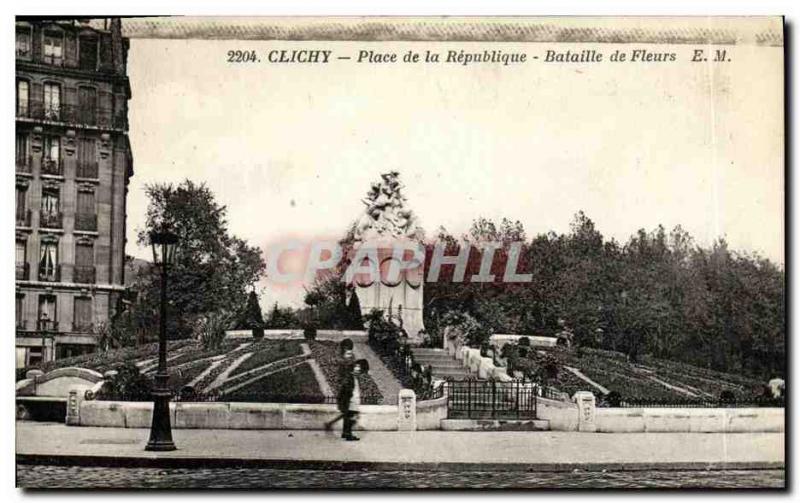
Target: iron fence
{"type": "Point", "coordinates": [475, 399]}
{"type": "Point", "coordinates": [73, 114]}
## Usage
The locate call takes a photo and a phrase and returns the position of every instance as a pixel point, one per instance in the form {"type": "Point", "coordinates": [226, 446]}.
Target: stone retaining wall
{"type": "Point", "coordinates": [254, 416]}
{"type": "Point", "coordinates": [691, 420]}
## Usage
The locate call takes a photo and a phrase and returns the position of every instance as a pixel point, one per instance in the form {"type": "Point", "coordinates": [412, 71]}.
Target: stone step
{"type": "Point", "coordinates": [443, 365]}
{"type": "Point", "coordinates": [435, 358]}
{"type": "Point", "coordinates": [455, 373]}
{"type": "Point", "coordinates": [495, 424]}
{"type": "Point", "coordinates": [428, 351]}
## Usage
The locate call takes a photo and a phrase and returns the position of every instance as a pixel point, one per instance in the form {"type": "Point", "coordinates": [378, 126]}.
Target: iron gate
{"type": "Point", "coordinates": [472, 399]}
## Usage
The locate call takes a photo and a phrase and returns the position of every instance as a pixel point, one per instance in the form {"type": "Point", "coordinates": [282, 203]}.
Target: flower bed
{"type": "Point", "coordinates": [106, 360]}
{"type": "Point", "coordinates": [326, 353]}
{"type": "Point", "coordinates": [270, 352]}
{"type": "Point", "coordinates": [294, 385]}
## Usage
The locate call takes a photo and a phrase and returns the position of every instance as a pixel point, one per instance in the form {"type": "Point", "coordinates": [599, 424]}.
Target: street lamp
{"type": "Point", "coordinates": [164, 243]}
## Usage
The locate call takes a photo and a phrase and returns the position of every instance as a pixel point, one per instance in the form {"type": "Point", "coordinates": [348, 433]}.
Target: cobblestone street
{"type": "Point", "coordinates": [53, 477]}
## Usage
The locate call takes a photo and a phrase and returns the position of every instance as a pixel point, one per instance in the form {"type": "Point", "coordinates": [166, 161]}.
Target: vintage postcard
{"type": "Point", "coordinates": [400, 253]}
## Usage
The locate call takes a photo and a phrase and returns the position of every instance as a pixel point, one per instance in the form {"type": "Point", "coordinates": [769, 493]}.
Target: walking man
{"type": "Point", "coordinates": [349, 399]}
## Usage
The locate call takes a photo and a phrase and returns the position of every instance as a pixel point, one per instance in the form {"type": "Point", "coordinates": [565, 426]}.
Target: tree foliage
{"type": "Point", "coordinates": [212, 269]}
{"type": "Point", "coordinates": [658, 294]}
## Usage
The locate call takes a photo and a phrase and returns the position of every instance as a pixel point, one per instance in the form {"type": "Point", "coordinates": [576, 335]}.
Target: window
{"type": "Point", "coordinates": [49, 215]}
{"type": "Point", "coordinates": [47, 312]}
{"type": "Point", "coordinates": [48, 261]}
{"type": "Point", "coordinates": [21, 150]}
{"type": "Point", "coordinates": [52, 147]}
{"type": "Point", "coordinates": [34, 357]}
{"type": "Point", "coordinates": [23, 42]}
{"type": "Point", "coordinates": [82, 315]}
{"type": "Point", "coordinates": [88, 53]}
{"type": "Point", "coordinates": [21, 207]}
{"type": "Point", "coordinates": [21, 262]}
{"type": "Point", "coordinates": [51, 160]}
{"type": "Point", "coordinates": [84, 263]}
{"type": "Point", "coordinates": [19, 313]}
{"type": "Point", "coordinates": [23, 95]}
{"type": "Point", "coordinates": [87, 105]}
{"type": "Point", "coordinates": [52, 101]}
{"type": "Point", "coordinates": [85, 203]}
{"type": "Point", "coordinates": [53, 48]}
{"type": "Point", "coordinates": [87, 163]}
{"type": "Point", "coordinates": [84, 254]}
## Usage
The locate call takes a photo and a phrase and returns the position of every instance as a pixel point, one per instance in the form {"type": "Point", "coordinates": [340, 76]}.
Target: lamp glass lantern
{"type": "Point", "coordinates": [164, 244]}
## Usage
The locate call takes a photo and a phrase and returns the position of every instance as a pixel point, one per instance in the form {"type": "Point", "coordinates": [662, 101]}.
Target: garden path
{"type": "Point", "coordinates": [206, 372]}
{"type": "Point", "coordinates": [220, 380]}
{"type": "Point", "coordinates": [673, 387]}
{"type": "Point", "coordinates": [387, 383]}
{"type": "Point", "coordinates": [324, 387]}
{"type": "Point", "coordinates": [581, 375]}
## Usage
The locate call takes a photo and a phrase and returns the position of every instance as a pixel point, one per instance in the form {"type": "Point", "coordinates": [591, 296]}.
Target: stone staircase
{"type": "Point", "coordinates": [442, 364]}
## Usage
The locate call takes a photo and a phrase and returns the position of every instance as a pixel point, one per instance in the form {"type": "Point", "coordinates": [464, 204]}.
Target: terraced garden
{"type": "Point", "coordinates": [291, 370]}
{"type": "Point", "coordinates": [652, 379]}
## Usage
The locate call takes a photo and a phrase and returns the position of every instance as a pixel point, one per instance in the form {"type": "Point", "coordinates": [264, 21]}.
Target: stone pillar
{"type": "Point", "coordinates": [586, 411]}
{"type": "Point", "coordinates": [407, 410]}
{"type": "Point", "coordinates": [74, 408]}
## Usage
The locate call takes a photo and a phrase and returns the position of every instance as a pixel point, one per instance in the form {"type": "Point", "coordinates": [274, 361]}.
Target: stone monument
{"type": "Point", "coordinates": [386, 227]}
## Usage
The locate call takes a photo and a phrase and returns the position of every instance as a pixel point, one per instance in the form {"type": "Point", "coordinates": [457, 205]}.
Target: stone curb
{"type": "Point", "coordinates": [152, 461]}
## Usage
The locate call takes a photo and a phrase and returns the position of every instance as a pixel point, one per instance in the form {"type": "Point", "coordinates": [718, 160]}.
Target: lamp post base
{"type": "Point", "coordinates": [160, 445]}
{"type": "Point", "coordinates": [161, 429]}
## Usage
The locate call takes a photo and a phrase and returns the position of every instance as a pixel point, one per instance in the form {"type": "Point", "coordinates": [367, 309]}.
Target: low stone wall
{"type": "Point", "coordinates": [430, 413]}
{"type": "Point", "coordinates": [471, 358]}
{"type": "Point", "coordinates": [537, 341]}
{"type": "Point", "coordinates": [691, 420]}
{"type": "Point", "coordinates": [563, 416]}
{"type": "Point", "coordinates": [322, 335]}
{"type": "Point", "coordinates": [254, 416]}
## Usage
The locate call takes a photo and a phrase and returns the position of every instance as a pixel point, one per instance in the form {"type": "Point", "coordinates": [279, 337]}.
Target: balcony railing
{"type": "Point", "coordinates": [86, 170]}
{"type": "Point", "coordinates": [24, 163]}
{"type": "Point", "coordinates": [72, 114]}
{"type": "Point", "coordinates": [52, 167]}
{"type": "Point", "coordinates": [83, 274]}
{"type": "Point", "coordinates": [22, 271]}
{"type": "Point", "coordinates": [47, 325]}
{"type": "Point", "coordinates": [51, 274]}
{"type": "Point", "coordinates": [23, 218]}
{"type": "Point", "coordinates": [84, 327]}
{"type": "Point", "coordinates": [22, 325]}
{"type": "Point", "coordinates": [53, 60]}
{"type": "Point", "coordinates": [85, 222]}
{"type": "Point", "coordinates": [51, 220]}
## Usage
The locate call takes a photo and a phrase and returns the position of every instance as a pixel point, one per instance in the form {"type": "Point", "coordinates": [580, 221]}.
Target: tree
{"type": "Point", "coordinates": [354, 308]}
{"type": "Point", "coordinates": [251, 318]}
{"type": "Point", "coordinates": [212, 269]}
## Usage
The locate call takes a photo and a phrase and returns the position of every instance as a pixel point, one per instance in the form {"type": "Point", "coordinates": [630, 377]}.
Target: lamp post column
{"type": "Point", "coordinates": [161, 429]}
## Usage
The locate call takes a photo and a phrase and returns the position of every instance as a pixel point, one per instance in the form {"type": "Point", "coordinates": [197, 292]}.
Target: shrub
{"type": "Point", "coordinates": [613, 399]}
{"type": "Point", "coordinates": [524, 342]}
{"type": "Point", "coordinates": [211, 329]}
{"type": "Point", "coordinates": [310, 331]}
{"type": "Point", "coordinates": [128, 384]}
{"type": "Point", "coordinates": [466, 329]}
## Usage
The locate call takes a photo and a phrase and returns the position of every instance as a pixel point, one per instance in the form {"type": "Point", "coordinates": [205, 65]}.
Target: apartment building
{"type": "Point", "coordinates": [73, 164]}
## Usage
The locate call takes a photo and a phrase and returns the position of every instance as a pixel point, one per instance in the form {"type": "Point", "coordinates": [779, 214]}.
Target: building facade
{"type": "Point", "coordinates": [73, 164]}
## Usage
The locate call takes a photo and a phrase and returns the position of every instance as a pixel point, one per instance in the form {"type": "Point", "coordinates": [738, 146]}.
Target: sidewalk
{"type": "Point", "coordinates": [50, 443]}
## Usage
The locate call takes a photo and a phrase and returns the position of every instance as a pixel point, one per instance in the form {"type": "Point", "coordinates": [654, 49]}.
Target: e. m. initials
{"type": "Point", "coordinates": [720, 56]}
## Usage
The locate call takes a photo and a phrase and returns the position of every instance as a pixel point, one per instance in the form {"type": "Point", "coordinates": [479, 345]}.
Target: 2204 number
{"type": "Point", "coordinates": [242, 57]}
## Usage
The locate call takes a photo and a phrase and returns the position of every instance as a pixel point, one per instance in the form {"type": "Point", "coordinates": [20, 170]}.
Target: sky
{"type": "Point", "coordinates": [291, 149]}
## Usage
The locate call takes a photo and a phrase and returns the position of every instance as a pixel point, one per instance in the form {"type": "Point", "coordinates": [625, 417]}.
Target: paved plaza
{"type": "Point", "coordinates": [428, 450]}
